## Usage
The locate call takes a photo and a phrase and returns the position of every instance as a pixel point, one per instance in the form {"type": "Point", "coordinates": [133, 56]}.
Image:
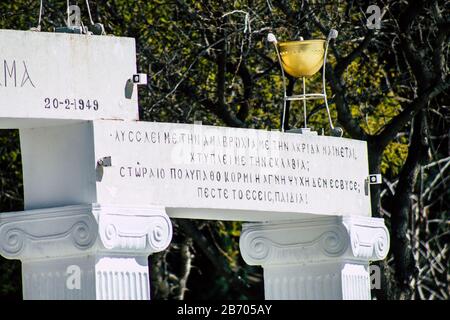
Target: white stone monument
{"type": "Point", "coordinates": [99, 186]}
{"type": "Point", "coordinates": [57, 78]}
{"type": "Point", "coordinates": [74, 247]}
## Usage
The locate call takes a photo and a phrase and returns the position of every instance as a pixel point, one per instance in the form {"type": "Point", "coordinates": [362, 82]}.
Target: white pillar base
{"type": "Point", "coordinates": [316, 259]}
{"type": "Point", "coordinates": [86, 252]}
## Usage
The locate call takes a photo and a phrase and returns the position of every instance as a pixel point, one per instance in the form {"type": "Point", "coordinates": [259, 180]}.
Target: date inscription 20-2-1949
{"type": "Point", "coordinates": [71, 104]}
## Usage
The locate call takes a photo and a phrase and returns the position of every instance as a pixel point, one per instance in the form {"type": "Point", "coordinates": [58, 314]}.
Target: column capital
{"type": "Point", "coordinates": [318, 240]}
{"type": "Point", "coordinates": [84, 229]}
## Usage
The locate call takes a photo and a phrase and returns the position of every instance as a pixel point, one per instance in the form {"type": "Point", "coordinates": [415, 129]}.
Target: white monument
{"type": "Point", "coordinates": [65, 77]}
{"type": "Point", "coordinates": [75, 247]}
{"type": "Point", "coordinates": [99, 186]}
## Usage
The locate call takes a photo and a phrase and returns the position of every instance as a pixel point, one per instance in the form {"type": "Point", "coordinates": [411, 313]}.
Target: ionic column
{"type": "Point", "coordinates": [317, 259]}
{"type": "Point", "coordinates": [85, 252]}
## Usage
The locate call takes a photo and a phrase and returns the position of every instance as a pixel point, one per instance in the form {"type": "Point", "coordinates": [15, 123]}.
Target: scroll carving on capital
{"type": "Point", "coordinates": [146, 233]}
{"type": "Point", "coordinates": [27, 235]}
{"type": "Point", "coordinates": [315, 240]}
{"type": "Point", "coordinates": [160, 234]}
{"type": "Point", "coordinates": [369, 241]}
{"type": "Point", "coordinates": [266, 247]}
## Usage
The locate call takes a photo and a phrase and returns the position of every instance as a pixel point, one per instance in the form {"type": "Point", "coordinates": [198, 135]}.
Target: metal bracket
{"type": "Point", "coordinates": [72, 29]}
{"type": "Point", "coordinates": [105, 162]}
{"type": "Point", "coordinates": [375, 178]}
{"type": "Point", "coordinates": [372, 179]}
{"type": "Point", "coordinates": [140, 79]}
{"type": "Point", "coordinates": [307, 131]}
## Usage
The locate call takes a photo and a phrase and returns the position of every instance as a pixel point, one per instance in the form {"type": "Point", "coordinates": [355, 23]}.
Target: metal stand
{"type": "Point", "coordinates": [335, 131]}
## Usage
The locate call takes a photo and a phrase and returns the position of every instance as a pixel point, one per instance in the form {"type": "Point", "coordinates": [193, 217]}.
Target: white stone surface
{"type": "Point", "coordinates": [58, 166]}
{"type": "Point", "coordinates": [254, 175]}
{"type": "Point", "coordinates": [65, 76]}
{"type": "Point", "coordinates": [92, 252]}
{"type": "Point", "coordinates": [317, 259]}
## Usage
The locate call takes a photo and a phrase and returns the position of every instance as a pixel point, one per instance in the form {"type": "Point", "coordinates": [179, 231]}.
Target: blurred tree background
{"type": "Point", "coordinates": [209, 61]}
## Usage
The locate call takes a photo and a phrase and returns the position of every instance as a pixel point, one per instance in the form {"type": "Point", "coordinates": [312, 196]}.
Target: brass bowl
{"type": "Point", "coordinates": [302, 58]}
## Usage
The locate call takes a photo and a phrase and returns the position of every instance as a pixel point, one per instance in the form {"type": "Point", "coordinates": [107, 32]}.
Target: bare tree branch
{"type": "Point", "coordinates": [399, 121]}
{"type": "Point", "coordinates": [347, 60]}
{"type": "Point", "coordinates": [186, 264]}
{"type": "Point", "coordinates": [220, 263]}
{"type": "Point", "coordinates": [401, 203]}
{"type": "Point", "coordinates": [345, 118]}
{"type": "Point", "coordinates": [247, 82]}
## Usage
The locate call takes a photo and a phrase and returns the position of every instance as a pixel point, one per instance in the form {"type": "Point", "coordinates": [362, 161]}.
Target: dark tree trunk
{"type": "Point", "coordinates": [401, 205]}
{"type": "Point", "coordinates": [160, 288]}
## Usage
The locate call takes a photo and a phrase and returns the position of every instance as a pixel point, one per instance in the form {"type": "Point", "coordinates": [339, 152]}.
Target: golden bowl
{"type": "Point", "coordinates": [302, 58]}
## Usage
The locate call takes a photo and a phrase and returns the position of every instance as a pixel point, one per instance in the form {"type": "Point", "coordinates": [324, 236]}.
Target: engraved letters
{"type": "Point", "coordinates": [15, 74]}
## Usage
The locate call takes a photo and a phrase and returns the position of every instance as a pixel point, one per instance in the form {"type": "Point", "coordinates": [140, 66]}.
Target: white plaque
{"type": "Point", "coordinates": [196, 170]}
{"type": "Point", "coordinates": [65, 76]}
